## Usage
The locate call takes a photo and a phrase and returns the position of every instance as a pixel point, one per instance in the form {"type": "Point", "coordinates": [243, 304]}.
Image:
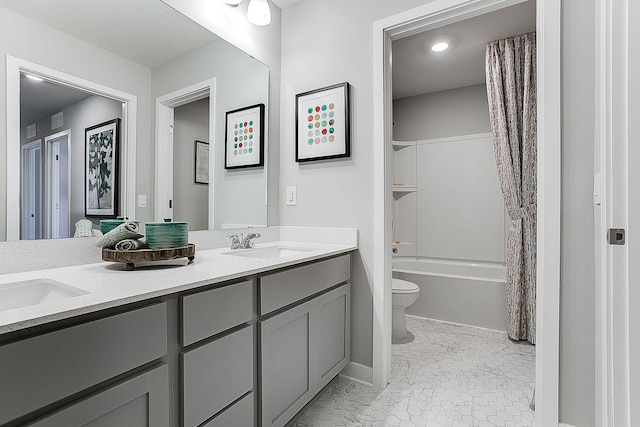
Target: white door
{"type": "Point", "coordinates": [31, 217]}
{"type": "Point", "coordinates": [57, 185]}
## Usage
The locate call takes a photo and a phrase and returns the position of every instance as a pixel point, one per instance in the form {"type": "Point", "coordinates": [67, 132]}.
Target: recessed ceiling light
{"type": "Point", "coordinates": [34, 78]}
{"type": "Point", "coordinates": [439, 46]}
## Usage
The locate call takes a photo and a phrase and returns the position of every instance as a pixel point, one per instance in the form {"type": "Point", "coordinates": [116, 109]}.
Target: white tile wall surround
{"type": "Point", "coordinates": [450, 375]}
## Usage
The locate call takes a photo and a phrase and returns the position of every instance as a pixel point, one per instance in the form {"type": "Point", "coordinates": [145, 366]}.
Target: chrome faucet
{"type": "Point", "coordinates": [242, 242]}
{"type": "Point", "coordinates": [248, 242]}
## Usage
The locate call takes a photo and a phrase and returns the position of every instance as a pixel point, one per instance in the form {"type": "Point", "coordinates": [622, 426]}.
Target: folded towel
{"type": "Point", "coordinates": [126, 230]}
{"type": "Point", "coordinates": [130, 245]}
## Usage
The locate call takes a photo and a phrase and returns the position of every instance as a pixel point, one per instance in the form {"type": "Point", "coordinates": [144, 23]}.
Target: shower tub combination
{"type": "Point", "coordinates": [465, 292]}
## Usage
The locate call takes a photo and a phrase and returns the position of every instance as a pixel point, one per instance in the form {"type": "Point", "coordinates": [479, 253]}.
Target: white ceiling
{"type": "Point", "coordinates": [146, 31]}
{"type": "Point", "coordinates": [417, 70]}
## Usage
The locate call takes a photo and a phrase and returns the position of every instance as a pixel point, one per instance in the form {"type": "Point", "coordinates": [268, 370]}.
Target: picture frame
{"type": "Point", "coordinates": [201, 165]}
{"type": "Point", "coordinates": [102, 164]}
{"type": "Point", "coordinates": [323, 123]}
{"type": "Point", "coordinates": [244, 138]}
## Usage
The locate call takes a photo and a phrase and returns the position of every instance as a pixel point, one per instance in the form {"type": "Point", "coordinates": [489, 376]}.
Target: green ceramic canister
{"type": "Point", "coordinates": [106, 225]}
{"type": "Point", "coordinates": [167, 234]}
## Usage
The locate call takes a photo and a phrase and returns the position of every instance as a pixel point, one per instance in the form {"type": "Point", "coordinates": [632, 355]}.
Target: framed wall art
{"type": "Point", "coordinates": [244, 138]}
{"type": "Point", "coordinates": [201, 167]}
{"type": "Point", "coordinates": [322, 123]}
{"type": "Point", "coordinates": [101, 169]}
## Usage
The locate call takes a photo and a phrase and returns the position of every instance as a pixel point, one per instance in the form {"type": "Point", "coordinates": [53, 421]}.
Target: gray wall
{"type": "Point", "coordinates": [241, 81]}
{"type": "Point", "coordinates": [437, 114]}
{"type": "Point", "coordinates": [77, 117]}
{"type": "Point", "coordinates": [191, 123]}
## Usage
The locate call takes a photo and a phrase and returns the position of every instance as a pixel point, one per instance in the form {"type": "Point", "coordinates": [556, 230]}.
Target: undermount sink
{"type": "Point", "coordinates": [34, 292]}
{"type": "Point", "coordinates": [272, 252]}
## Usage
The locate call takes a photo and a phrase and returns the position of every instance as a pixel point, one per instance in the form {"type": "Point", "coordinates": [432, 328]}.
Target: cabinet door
{"type": "Point", "coordinates": [142, 401]}
{"type": "Point", "coordinates": [288, 353]}
{"type": "Point", "coordinates": [332, 333]}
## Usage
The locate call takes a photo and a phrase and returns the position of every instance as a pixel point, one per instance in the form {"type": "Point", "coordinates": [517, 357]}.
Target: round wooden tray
{"type": "Point", "coordinates": [148, 255]}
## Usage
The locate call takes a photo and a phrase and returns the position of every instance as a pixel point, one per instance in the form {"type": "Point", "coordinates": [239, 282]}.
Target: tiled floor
{"type": "Point", "coordinates": [449, 375]}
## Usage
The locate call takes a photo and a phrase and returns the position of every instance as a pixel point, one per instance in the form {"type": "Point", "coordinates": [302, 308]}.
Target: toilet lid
{"type": "Point", "coordinates": [400, 286]}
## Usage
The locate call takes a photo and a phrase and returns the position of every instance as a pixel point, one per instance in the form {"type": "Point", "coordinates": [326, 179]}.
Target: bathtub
{"type": "Point", "coordinates": [465, 292]}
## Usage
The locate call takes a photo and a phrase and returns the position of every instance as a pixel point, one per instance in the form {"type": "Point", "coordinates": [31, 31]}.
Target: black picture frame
{"type": "Point", "coordinates": [244, 137]}
{"type": "Point", "coordinates": [201, 163]}
{"type": "Point", "coordinates": [323, 123]}
{"type": "Point", "coordinates": [102, 169]}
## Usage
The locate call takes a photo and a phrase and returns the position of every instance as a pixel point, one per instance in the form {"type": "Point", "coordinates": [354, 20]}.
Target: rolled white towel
{"type": "Point", "coordinates": [126, 230]}
{"type": "Point", "coordinates": [130, 245]}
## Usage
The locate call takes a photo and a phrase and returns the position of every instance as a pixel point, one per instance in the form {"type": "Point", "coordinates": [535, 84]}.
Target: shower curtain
{"type": "Point", "coordinates": [511, 89]}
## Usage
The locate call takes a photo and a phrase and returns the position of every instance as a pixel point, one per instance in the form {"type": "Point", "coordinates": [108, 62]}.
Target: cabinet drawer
{"type": "Point", "coordinates": [280, 289]}
{"type": "Point", "coordinates": [215, 375]}
{"type": "Point", "coordinates": [139, 401]}
{"type": "Point", "coordinates": [210, 312]}
{"type": "Point", "coordinates": [41, 370]}
{"type": "Point", "coordinates": [238, 415]}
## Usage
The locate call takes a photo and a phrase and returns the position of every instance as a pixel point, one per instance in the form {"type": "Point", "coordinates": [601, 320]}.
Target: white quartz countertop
{"type": "Point", "coordinates": [109, 285]}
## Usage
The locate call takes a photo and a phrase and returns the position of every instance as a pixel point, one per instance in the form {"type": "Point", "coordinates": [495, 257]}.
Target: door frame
{"type": "Point", "coordinates": [616, 206]}
{"type": "Point", "coordinates": [24, 213]}
{"type": "Point", "coordinates": [164, 144]}
{"type": "Point", "coordinates": [548, 26]}
{"type": "Point", "coordinates": [49, 213]}
{"type": "Point", "coordinates": [16, 66]}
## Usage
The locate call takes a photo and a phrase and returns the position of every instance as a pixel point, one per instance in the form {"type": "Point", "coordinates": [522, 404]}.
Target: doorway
{"type": "Point", "coordinates": [165, 126]}
{"type": "Point", "coordinates": [435, 15]}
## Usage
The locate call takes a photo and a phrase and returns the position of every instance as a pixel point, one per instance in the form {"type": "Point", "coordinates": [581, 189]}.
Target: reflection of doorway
{"type": "Point", "coordinates": [191, 123]}
{"type": "Point", "coordinates": [165, 121]}
{"type": "Point", "coordinates": [57, 183]}
{"type": "Point", "coordinates": [31, 218]}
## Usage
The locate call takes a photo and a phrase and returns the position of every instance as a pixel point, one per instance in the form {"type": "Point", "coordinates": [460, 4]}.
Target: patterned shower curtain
{"type": "Point", "coordinates": [511, 89]}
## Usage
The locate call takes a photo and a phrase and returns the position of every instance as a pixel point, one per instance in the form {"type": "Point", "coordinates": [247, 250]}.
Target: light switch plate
{"type": "Point", "coordinates": [291, 196]}
{"type": "Point", "coordinates": [142, 200]}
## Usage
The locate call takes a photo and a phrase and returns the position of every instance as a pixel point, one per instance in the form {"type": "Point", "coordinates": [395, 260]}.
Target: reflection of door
{"type": "Point", "coordinates": [31, 218]}
{"type": "Point", "coordinates": [57, 185]}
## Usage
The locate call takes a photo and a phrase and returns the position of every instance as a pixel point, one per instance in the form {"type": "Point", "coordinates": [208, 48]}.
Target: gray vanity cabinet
{"type": "Point", "coordinates": [306, 343]}
{"type": "Point", "coordinates": [41, 371]}
{"type": "Point", "coordinates": [288, 351]}
{"type": "Point", "coordinates": [218, 364]}
{"type": "Point", "coordinates": [138, 402]}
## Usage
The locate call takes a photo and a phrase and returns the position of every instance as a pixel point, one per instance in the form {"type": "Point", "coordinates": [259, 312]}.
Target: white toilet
{"type": "Point", "coordinates": [404, 294]}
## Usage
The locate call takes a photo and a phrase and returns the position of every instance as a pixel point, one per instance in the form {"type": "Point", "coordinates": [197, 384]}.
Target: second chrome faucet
{"type": "Point", "coordinates": [243, 242]}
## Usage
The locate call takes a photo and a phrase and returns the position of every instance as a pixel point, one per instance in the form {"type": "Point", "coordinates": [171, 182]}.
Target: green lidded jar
{"type": "Point", "coordinates": [167, 234]}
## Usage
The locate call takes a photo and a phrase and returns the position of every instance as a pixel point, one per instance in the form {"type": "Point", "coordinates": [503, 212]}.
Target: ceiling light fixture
{"type": "Point", "coordinates": [34, 78]}
{"type": "Point", "coordinates": [440, 46]}
{"type": "Point", "coordinates": [233, 3]}
{"type": "Point", "coordinates": [259, 13]}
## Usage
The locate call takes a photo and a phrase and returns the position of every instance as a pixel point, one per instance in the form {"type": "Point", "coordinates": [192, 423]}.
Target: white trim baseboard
{"type": "Point", "coordinates": [565, 425]}
{"type": "Point", "coordinates": [358, 373]}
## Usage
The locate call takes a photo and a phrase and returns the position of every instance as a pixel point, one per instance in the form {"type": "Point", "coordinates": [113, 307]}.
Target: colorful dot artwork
{"type": "Point", "coordinates": [243, 138]}
{"type": "Point", "coordinates": [321, 124]}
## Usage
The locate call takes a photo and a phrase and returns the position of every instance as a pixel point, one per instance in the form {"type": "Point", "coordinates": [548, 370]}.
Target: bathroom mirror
{"type": "Point", "coordinates": [169, 54]}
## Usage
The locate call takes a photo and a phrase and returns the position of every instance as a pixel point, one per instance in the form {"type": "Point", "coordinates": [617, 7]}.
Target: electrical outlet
{"type": "Point", "coordinates": [292, 196]}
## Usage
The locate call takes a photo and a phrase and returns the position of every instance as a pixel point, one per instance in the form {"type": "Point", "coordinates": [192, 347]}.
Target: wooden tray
{"type": "Point", "coordinates": [148, 255]}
